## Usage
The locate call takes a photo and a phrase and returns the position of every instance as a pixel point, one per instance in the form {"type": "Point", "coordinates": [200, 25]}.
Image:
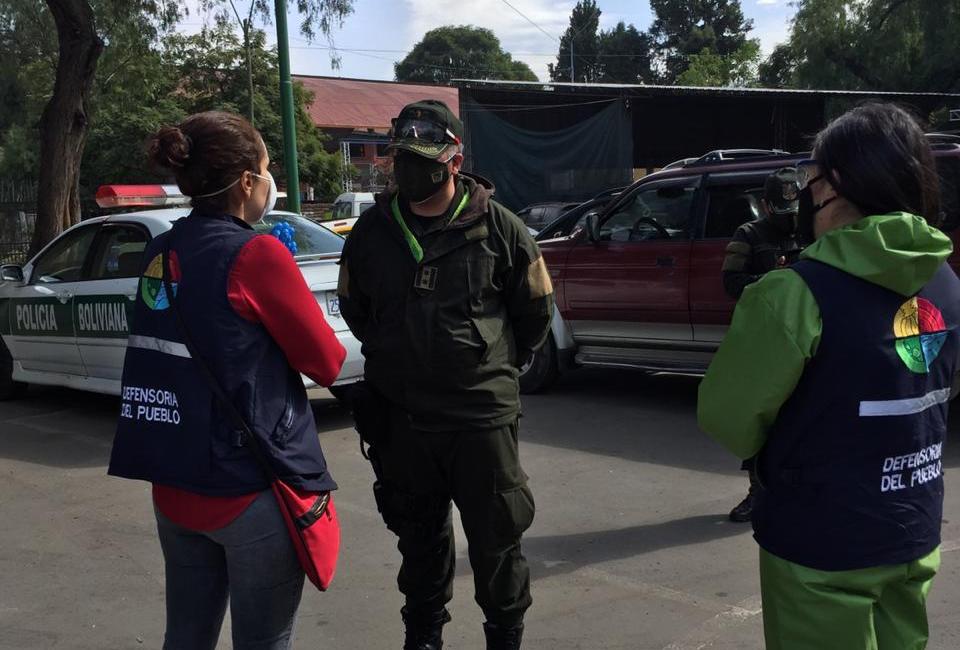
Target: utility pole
{"type": "Point", "coordinates": [247, 27]}
{"type": "Point", "coordinates": [286, 103]}
{"type": "Point", "coordinates": [572, 76]}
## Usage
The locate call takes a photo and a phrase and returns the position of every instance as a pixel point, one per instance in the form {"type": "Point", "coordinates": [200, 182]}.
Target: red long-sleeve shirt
{"type": "Point", "coordinates": [265, 286]}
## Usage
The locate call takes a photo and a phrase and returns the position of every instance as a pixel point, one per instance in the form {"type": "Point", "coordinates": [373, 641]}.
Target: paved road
{"type": "Point", "coordinates": [630, 549]}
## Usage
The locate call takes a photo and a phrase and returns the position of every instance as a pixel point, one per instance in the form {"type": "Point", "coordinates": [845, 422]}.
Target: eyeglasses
{"type": "Point", "coordinates": [808, 173]}
{"type": "Point", "coordinates": [424, 131]}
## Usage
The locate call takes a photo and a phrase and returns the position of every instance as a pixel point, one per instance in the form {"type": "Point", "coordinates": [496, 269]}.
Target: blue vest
{"type": "Point", "coordinates": [171, 430]}
{"type": "Point", "coordinates": [852, 469]}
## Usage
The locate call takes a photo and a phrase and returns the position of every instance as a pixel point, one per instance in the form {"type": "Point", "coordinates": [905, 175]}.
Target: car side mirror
{"type": "Point", "coordinates": [593, 227]}
{"type": "Point", "coordinates": [11, 273]}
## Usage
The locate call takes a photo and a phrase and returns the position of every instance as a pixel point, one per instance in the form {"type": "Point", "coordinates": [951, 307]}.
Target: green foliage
{"type": "Point", "coordinates": [148, 78]}
{"type": "Point", "coordinates": [212, 73]}
{"type": "Point", "coordinates": [626, 55]}
{"type": "Point", "coordinates": [582, 33]}
{"type": "Point", "coordinates": [684, 29]}
{"type": "Point", "coordinates": [882, 45]}
{"type": "Point", "coordinates": [711, 69]}
{"type": "Point", "coordinates": [778, 69]}
{"type": "Point", "coordinates": [618, 55]}
{"type": "Point", "coordinates": [460, 52]}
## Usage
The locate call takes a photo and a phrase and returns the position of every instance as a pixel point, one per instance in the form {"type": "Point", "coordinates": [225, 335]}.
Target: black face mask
{"type": "Point", "coordinates": [807, 210]}
{"type": "Point", "coordinates": [419, 178]}
{"type": "Point", "coordinates": [785, 221]}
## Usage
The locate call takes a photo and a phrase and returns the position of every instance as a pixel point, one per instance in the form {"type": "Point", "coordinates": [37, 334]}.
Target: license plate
{"type": "Point", "coordinates": [333, 304]}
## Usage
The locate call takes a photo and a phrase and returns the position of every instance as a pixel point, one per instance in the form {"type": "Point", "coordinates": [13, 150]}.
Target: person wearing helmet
{"type": "Point", "coordinates": [449, 296]}
{"type": "Point", "coordinates": [759, 247]}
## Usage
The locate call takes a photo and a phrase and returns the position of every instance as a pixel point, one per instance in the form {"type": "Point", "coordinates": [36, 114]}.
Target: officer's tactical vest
{"type": "Point", "coordinates": [852, 469]}
{"type": "Point", "coordinates": [171, 430]}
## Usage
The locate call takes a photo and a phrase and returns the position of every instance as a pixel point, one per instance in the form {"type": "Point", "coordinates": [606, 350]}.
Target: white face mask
{"type": "Point", "coordinates": [271, 196]}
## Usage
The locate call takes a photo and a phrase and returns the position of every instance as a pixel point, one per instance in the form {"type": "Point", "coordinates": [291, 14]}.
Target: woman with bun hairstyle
{"type": "Point", "coordinates": [220, 528]}
{"type": "Point", "coordinates": [837, 374]}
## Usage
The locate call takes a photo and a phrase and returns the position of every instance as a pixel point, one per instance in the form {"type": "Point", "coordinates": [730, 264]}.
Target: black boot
{"type": "Point", "coordinates": [503, 638]}
{"type": "Point", "coordinates": [424, 632]}
{"type": "Point", "coordinates": [743, 510]}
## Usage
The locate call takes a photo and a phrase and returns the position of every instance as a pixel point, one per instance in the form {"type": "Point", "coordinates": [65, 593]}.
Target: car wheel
{"type": "Point", "coordinates": [9, 389]}
{"type": "Point", "coordinates": [541, 371]}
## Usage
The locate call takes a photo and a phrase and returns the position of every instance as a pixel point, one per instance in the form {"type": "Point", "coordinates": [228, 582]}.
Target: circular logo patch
{"type": "Point", "coordinates": [152, 290]}
{"type": "Point", "coordinates": [921, 333]}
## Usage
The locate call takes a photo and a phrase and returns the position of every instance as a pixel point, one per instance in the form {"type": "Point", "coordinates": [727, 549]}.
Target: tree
{"type": "Point", "coordinates": [684, 28]}
{"type": "Point", "coordinates": [625, 55]}
{"type": "Point", "coordinates": [778, 69]}
{"type": "Point", "coordinates": [711, 69]}
{"type": "Point", "coordinates": [460, 52]}
{"type": "Point", "coordinates": [85, 30]}
{"type": "Point", "coordinates": [889, 45]}
{"type": "Point", "coordinates": [212, 74]}
{"type": "Point", "coordinates": [582, 36]}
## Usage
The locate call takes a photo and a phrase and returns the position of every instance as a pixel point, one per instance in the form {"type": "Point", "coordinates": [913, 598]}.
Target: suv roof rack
{"type": "Point", "coordinates": [945, 137]}
{"type": "Point", "coordinates": [722, 155]}
{"type": "Point", "coordinates": [943, 141]}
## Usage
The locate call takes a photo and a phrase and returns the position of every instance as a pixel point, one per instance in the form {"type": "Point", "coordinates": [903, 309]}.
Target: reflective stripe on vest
{"type": "Point", "coordinates": [162, 346]}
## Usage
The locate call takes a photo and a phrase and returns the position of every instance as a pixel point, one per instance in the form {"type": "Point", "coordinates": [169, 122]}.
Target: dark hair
{"type": "Point", "coordinates": [206, 152]}
{"type": "Point", "coordinates": [883, 159]}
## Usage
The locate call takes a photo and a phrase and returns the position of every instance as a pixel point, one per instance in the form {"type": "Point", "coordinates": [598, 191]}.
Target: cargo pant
{"type": "Point", "coordinates": [479, 471]}
{"type": "Point", "coordinates": [880, 608]}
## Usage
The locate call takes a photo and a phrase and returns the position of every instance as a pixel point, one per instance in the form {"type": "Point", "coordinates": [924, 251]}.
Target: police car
{"type": "Point", "coordinates": [65, 315]}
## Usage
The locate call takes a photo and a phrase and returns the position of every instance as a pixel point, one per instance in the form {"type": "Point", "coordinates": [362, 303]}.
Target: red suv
{"type": "Point", "coordinates": [639, 285]}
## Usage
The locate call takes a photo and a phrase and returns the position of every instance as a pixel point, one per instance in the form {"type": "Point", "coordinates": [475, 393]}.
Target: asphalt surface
{"type": "Point", "coordinates": [630, 548]}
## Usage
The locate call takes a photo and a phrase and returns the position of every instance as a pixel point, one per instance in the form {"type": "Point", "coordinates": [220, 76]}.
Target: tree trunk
{"type": "Point", "coordinates": [63, 125]}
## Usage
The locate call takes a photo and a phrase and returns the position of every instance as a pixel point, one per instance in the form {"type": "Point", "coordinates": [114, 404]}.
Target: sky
{"type": "Point", "coordinates": [381, 32]}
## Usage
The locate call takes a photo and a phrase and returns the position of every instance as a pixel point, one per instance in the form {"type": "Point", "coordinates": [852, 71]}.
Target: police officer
{"type": "Point", "coordinates": [759, 247]}
{"type": "Point", "coordinates": [449, 296]}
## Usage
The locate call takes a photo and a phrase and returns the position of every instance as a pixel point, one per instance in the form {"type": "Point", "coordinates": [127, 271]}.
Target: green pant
{"type": "Point", "coordinates": [880, 608]}
{"type": "Point", "coordinates": [479, 471]}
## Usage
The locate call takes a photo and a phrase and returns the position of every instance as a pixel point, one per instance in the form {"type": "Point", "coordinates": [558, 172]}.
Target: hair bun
{"type": "Point", "coordinates": [170, 148]}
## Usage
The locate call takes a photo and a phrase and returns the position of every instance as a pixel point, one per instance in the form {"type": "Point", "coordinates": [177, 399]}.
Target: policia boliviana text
{"type": "Point", "coordinates": [449, 296]}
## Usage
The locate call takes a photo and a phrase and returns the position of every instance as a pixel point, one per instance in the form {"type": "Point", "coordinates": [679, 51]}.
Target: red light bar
{"type": "Point", "coordinates": [128, 196]}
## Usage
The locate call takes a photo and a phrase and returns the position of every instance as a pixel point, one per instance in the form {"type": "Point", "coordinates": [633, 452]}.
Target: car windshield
{"type": "Point", "coordinates": [311, 239]}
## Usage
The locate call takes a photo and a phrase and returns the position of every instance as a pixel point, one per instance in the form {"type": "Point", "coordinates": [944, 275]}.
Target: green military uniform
{"type": "Point", "coordinates": [767, 244]}
{"type": "Point", "coordinates": [447, 309]}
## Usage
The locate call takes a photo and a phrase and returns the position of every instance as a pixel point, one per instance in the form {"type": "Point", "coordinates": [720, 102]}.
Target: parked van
{"type": "Point", "coordinates": [346, 209]}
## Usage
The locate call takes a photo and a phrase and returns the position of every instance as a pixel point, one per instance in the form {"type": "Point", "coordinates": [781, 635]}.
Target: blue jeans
{"type": "Point", "coordinates": [250, 562]}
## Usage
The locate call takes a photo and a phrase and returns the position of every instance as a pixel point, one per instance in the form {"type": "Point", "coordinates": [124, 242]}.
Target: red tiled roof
{"type": "Point", "coordinates": [355, 104]}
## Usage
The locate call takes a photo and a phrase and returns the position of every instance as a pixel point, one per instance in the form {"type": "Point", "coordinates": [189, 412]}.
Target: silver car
{"type": "Point", "coordinates": [65, 315]}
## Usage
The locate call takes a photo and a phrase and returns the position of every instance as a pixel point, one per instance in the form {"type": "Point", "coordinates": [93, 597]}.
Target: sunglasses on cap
{"type": "Point", "coordinates": [422, 130]}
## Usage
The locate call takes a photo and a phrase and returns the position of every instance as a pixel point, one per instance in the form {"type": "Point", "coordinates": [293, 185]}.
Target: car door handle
{"type": "Point", "coordinates": [666, 261]}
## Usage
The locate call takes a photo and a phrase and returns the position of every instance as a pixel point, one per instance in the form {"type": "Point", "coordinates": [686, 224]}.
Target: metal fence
{"type": "Point", "coordinates": [18, 204]}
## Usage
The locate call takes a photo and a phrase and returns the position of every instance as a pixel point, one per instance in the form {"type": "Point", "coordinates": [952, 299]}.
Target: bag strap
{"type": "Point", "coordinates": [238, 421]}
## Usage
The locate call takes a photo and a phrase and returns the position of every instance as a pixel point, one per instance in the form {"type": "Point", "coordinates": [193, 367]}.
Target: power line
{"type": "Point", "coordinates": [405, 52]}
{"type": "Point", "coordinates": [526, 18]}
{"type": "Point", "coordinates": [421, 65]}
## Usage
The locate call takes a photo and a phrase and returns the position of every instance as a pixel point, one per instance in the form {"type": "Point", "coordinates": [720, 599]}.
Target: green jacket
{"type": "Point", "coordinates": [446, 321]}
{"type": "Point", "coordinates": [776, 326]}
